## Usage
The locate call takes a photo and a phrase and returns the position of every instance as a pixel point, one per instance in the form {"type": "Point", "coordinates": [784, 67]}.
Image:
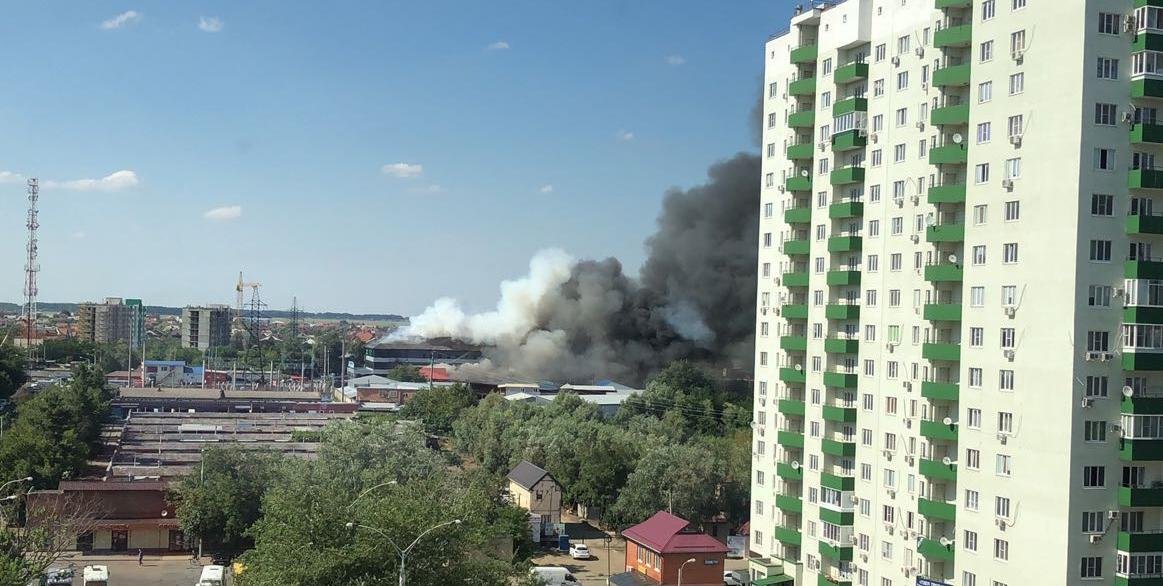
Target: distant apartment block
{"type": "Point", "coordinates": [112, 321]}
{"type": "Point", "coordinates": [204, 327]}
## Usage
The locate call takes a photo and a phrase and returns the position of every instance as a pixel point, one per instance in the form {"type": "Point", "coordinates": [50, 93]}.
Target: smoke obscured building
{"type": "Point", "coordinates": [205, 327]}
{"type": "Point", "coordinates": [383, 355]}
{"type": "Point", "coordinates": [112, 321]}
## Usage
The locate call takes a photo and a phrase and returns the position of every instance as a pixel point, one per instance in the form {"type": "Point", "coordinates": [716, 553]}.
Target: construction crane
{"type": "Point", "coordinates": [240, 288]}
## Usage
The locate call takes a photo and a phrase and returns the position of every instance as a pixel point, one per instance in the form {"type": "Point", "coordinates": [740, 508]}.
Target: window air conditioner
{"type": "Point", "coordinates": [782, 189]}
{"type": "Point", "coordinates": [823, 145]}
{"type": "Point", "coordinates": [873, 137]}
{"type": "Point", "coordinates": [1087, 402]}
{"type": "Point", "coordinates": [1007, 184]}
{"type": "Point", "coordinates": [1001, 437]}
{"type": "Point", "coordinates": [1016, 140]}
{"type": "Point", "coordinates": [1095, 538]}
{"type": "Point", "coordinates": [915, 238]}
{"type": "Point", "coordinates": [920, 51]}
{"type": "Point", "coordinates": [1129, 24]}
{"type": "Point", "coordinates": [1011, 311]}
{"type": "Point", "coordinates": [1009, 354]}
{"type": "Point", "coordinates": [920, 125]}
{"type": "Point", "coordinates": [896, 60]}
{"type": "Point", "coordinates": [1018, 55]}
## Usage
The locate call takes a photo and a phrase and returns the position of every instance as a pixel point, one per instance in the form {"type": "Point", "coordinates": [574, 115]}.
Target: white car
{"type": "Point", "coordinates": [579, 551]}
{"type": "Point", "coordinates": [735, 578]}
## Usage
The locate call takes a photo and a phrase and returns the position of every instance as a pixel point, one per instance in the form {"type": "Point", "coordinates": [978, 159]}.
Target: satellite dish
{"type": "Point", "coordinates": [804, 173]}
{"type": "Point", "coordinates": [953, 258]}
{"type": "Point", "coordinates": [946, 541]}
{"type": "Point", "coordinates": [957, 138]}
{"type": "Point", "coordinates": [795, 465]}
{"type": "Point", "coordinates": [1128, 392]}
{"type": "Point", "coordinates": [946, 461]}
{"type": "Point", "coordinates": [947, 421]}
{"type": "Point", "coordinates": [799, 367]}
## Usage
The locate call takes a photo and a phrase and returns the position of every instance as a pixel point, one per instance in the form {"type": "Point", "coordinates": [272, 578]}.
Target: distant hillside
{"type": "Point", "coordinates": [273, 313]}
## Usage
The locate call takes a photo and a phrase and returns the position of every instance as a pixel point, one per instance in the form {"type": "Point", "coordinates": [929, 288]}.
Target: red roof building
{"type": "Point", "coordinates": [436, 374]}
{"type": "Point", "coordinates": [657, 548]}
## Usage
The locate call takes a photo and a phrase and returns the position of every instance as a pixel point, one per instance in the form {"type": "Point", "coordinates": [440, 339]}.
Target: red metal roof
{"type": "Point", "coordinates": [662, 533]}
{"type": "Point", "coordinates": [434, 374]}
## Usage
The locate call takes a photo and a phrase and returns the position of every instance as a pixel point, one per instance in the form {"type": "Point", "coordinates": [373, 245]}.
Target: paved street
{"type": "Point", "coordinates": [124, 571]}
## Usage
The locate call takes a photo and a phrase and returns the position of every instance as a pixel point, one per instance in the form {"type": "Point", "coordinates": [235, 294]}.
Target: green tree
{"type": "Point", "coordinates": [223, 498]}
{"type": "Point", "coordinates": [438, 407]}
{"type": "Point", "coordinates": [682, 479]}
{"type": "Point", "coordinates": [406, 373]}
{"type": "Point", "coordinates": [12, 375]}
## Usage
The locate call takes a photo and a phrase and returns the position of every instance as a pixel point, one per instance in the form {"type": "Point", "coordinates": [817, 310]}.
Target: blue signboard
{"type": "Point", "coordinates": [922, 581]}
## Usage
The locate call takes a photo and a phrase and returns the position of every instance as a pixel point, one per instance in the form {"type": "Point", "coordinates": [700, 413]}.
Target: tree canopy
{"type": "Point", "coordinates": [438, 407]}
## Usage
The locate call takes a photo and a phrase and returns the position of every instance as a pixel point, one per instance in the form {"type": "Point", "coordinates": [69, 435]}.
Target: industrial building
{"type": "Point", "coordinates": [206, 326]}
{"type": "Point", "coordinates": [113, 321]}
{"type": "Point", "coordinates": [983, 406]}
{"type": "Point", "coordinates": [385, 354]}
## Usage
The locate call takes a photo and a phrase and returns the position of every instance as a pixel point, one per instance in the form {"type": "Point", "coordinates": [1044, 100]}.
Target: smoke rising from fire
{"type": "Point", "coordinates": [583, 320]}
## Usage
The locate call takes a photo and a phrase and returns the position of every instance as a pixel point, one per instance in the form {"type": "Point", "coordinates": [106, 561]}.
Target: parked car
{"type": "Point", "coordinates": [579, 551]}
{"type": "Point", "coordinates": [553, 576]}
{"type": "Point", "coordinates": [58, 577]}
{"type": "Point", "coordinates": [735, 578]}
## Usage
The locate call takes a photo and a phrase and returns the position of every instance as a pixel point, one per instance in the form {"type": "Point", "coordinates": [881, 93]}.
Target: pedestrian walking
{"type": "Point", "coordinates": [140, 556]}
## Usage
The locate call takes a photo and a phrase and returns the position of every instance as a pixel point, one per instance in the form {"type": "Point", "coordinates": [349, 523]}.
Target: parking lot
{"type": "Point", "coordinates": [593, 572]}
{"type": "Point", "coordinates": [123, 570]}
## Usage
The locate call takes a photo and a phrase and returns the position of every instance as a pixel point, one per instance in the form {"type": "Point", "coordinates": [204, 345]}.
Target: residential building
{"type": "Point", "coordinates": [664, 545]}
{"type": "Point", "coordinates": [943, 316]}
{"type": "Point", "coordinates": [205, 327]}
{"type": "Point", "coordinates": [115, 320]}
{"type": "Point", "coordinates": [536, 491]}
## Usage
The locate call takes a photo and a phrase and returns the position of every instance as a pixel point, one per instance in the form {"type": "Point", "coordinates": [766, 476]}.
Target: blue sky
{"type": "Point", "coordinates": [363, 156]}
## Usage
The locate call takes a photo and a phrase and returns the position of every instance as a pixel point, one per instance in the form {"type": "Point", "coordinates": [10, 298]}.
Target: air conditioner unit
{"type": "Point", "coordinates": [896, 60]}
{"type": "Point", "coordinates": [1016, 140]}
{"type": "Point", "coordinates": [782, 189]}
{"type": "Point", "coordinates": [909, 423]}
{"type": "Point", "coordinates": [920, 51]}
{"type": "Point", "coordinates": [1119, 292]}
{"type": "Point", "coordinates": [1010, 310]}
{"type": "Point", "coordinates": [1001, 524]}
{"type": "Point", "coordinates": [909, 460]}
{"type": "Point", "coordinates": [1087, 403]}
{"type": "Point", "coordinates": [763, 310]}
{"type": "Point", "coordinates": [924, 86]}
{"type": "Point", "coordinates": [873, 137]}
{"type": "Point", "coordinates": [916, 199]}
{"type": "Point", "coordinates": [909, 385]}
{"type": "Point", "coordinates": [1007, 184]}
{"type": "Point", "coordinates": [1129, 24]}
{"type": "Point", "coordinates": [1095, 538]}
{"type": "Point", "coordinates": [920, 125]}
{"type": "Point", "coordinates": [1018, 55]}
{"type": "Point", "coordinates": [1112, 515]}
{"type": "Point", "coordinates": [1128, 117]}
{"type": "Point", "coordinates": [899, 201]}
{"type": "Point", "coordinates": [1001, 437]}
{"type": "Point", "coordinates": [823, 145]}
{"type": "Point", "coordinates": [888, 529]}
{"type": "Point", "coordinates": [1091, 356]}
{"type": "Point", "coordinates": [892, 494]}
{"type": "Point", "coordinates": [864, 557]}
{"type": "Point", "coordinates": [915, 238]}
{"type": "Point", "coordinates": [887, 454]}
{"type": "Point", "coordinates": [1009, 354]}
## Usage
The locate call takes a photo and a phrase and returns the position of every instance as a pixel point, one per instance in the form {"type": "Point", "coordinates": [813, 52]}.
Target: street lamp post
{"type": "Point", "coordinates": [407, 550]}
{"type": "Point", "coordinates": [608, 539]}
{"type": "Point", "coordinates": [692, 560]}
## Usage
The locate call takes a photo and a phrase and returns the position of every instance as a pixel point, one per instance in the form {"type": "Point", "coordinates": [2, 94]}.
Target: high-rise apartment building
{"type": "Point", "coordinates": [206, 327]}
{"type": "Point", "coordinates": [959, 357]}
{"type": "Point", "coordinates": [114, 320]}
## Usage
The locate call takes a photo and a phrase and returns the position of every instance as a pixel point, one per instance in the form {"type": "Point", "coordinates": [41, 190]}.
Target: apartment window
{"type": "Point", "coordinates": [972, 459]}
{"type": "Point", "coordinates": [888, 514]}
{"type": "Point", "coordinates": [977, 297]}
{"type": "Point", "coordinates": [985, 53]}
{"type": "Point", "coordinates": [1001, 507]}
{"type": "Point", "coordinates": [971, 498]}
{"type": "Point", "coordinates": [970, 540]}
{"type": "Point", "coordinates": [771, 91]}
{"type": "Point", "coordinates": [975, 378]}
{"type": "Point", "coordinates": [827, 66]}
{"type": "Point", "coordinates": [1009, 252]}
{"type": "Point", "coordinates": [1104, 159]}
{"type": "Point", "coordinates": [1096, 386]}
{"type": "Point", "coordinates": [898, 153]}
{"type": "Point", "coordinates": [1015, 126]}
{"type": "Point", "coordinates": [874, 193]}
{"type": "Point", "coordinates": [1097, 341]}
{"type": "Point", "coordinates": [890, 405]}
{"type": "Point", "coordinates": [873, 263]}
{"type": "Point", "coordinates": [763, 329]}
{"type": "Point", "coordinates": [1004, 465]}
{"type": "Point", "coordinates": [870, 299]}
{"type": "Point", "coordinates": [922, 148]}
{"type": "Point", "coordinates": [984, 92]}
{"type": "Point", "coordinates": [1012, 211]}
{"type": "Point", "coordinates": [1091, 567]}
{"type": "Point", "coordinates": [1093, 521]}
{"type": "Point", "coordinates": [1093, 476]}
{"type": "Point", "coordinates": [988, 9]}
{"type": "Point", "coordinates": [1005, 422]}
{"type": "Point", "coordinates": [902, 81]}
{"type": "Point", "coordinates": [1018, 42]}
{"type": "Point", "coordinates": [1007, 337]}
{"type": "Point", "coordinates": [763, 359]}
{"type": "Point", "coordinates": [772, 120]}
{"type": "Point", "coordinates": [1098, 296]}
{"type": "Point", "coordinates": [1009, 295]}
{"type": "Point", "coordinates": [1013, 168]}
{"type": "Point", "coordinates": [869, 367]}
{"type": "Point", "coordinates": [1105, 114]}
{"type": "Point", "coordinates": [767, 239]}
{"type": "Point", "coordinates": [1100, 250]}
{"type": "Point", "coordinates": [1017, 83]}
{"type": "Point", "coordinates": [873, 228]}
{"type": "Point", "coordinates": [878, 52]}
{"type": "Point", "coordinates": [1006, 380]}
{"type": "Point", "coordinates": [1108, 23]}
{"type": "Point", "coordinates": [979, 254]}
{"type": "Point", "coordinates": [894, 264]}
{"type": "Point", "coordinates": [1094, 431]}
{"type": "Point", "coordinates": [981, 173]}
{"type": "Point", "coordinates": [877, 88]}
{"type": "Point", "coordinates": [768, 210]}
{"type": "Point", "coordinates": [902, 117]}
{"type": "Point", "coordinates": [983, 133]}
{"type": "Point", "coordinates": [976, 337]}
{"type": "Point", "coordinates": [1001, 549]}
{"type": "Point", "coordinates": [1108, 68]}
{"type": "Point", "coordinates": [902, 45]}
{"type": "Point", "coordinates": [825, 100]}
{"type": "Point", "coordinates": [898, 226]}
{"type": "Point", "coordinates": [1102, 204]}
{"type": "Point", "coordinates": [875, 160]}
{"type": "Point", "coordinates": [974, 416]}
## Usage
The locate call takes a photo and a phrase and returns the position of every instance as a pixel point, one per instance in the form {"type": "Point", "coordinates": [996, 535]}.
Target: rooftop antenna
{"type": "Point", "coordinates": [31, 268]}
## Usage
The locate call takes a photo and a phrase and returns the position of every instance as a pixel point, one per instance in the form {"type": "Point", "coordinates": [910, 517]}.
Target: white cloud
{"type": "Point", "coordinates": [224, 213]}
{"type": "Point", "coordinates": [10, 177]}
{"type": "Point", "coordinates": [78, 235]}
{"type": "Point", "coordinates": [625, 135]}
{"type": "Point", "coordinates": [675, 60]}
{"type": "Point", "coordinates": [403, 170]}
{"type": "Point", "coordinates": [499, 46]}
{"type": "Point", "coordinates": [209, 24]}
{"type": "Point", "coordinates": [124, 19]}
{"type": "Point", "coordinates": [546, 188]}
{"type": "Point", "coordinates": [116, 181]}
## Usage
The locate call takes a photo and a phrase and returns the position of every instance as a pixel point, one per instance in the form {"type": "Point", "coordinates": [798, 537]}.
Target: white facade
{"type": "Point", "coordinates": [957, 355]}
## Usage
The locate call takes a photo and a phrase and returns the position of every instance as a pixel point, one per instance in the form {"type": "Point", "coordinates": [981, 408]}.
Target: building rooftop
{"type": "Point", "coordinates": [665, 533]}
{"type": "Point", "coordinates": [526, 474]}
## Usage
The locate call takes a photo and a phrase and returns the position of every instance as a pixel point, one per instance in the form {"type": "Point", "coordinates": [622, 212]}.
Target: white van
{"type": "Point", "coordinates": [212, 576]}
{"type": "Point", "coordinates": [96, 576]}
{"type": "Point", "coordinates": [554, 576]}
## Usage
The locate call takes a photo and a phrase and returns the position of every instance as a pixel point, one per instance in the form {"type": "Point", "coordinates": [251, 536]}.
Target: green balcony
{"type": "Point", "coordinates": [841, 311]}
{"type": "Point", "coordinates": [941, 351]}
{"type": "Point", "coordinates": [788, 536]}
{"type": "Point", "coordinates": [836, 482]}
{"type": "Point", "coordinates": [934, 551]}
{"type": "Point", "coordinates": [802, 119]}
{"type": "Point", "coordinates": [795, 279]}
{"type": "Point", "coordinates": [1140, 405]}
{"type": "Point", "coordinates": [1143, 269]}
{"type": "Point", "coordinates": [937, 510]}
{"type": "Point", "coordinates": [1142, 360]}
{"type": "Point", "coordinates": [848, 140]}
{"type": "Point", "coordinates": [945, 233]}
{"type": "Point", "coordinates": [824, 580]}
{"type": "Point", "coordinates": [790, 439]}
{"type": "Point", "coordinates": [840, 380]}
{"type": "Point", "coordinates": [944, 273]}
{"type": "Point", "coordinates": [937, 470]}
{"type": "Point", "coordinates": [788, 503]}
{"type": "Point", "coordinates": [943, 311]}
{"type": "Point", "coordinates": [1150, 450]}
{"type": "Point", "coordinates": [850, 73]}
{"type": "Point", "coordinates": [1140, 497]}
{"type": "Point", "coordinates": [837, 517]}
{"type": "Point", "coordinates": [840, 449]}
{"type": "Point", "coordinates": [795, 311]}
{"type": "Point", "coordinates": [793, 343]}
{"type": "Point", "coordinates": [836, 552]}
{"type": "Point", "coordinates": [791, 407]}
{"type": "Point", "coordinates": [954, 193]}
{"type": "Point", "coordinates": [838, 278]}
{"type": "Point", "coordinates": [1144, 224]}
{"type": "Point", "coordinates": [935, 391]}
{"type": "Point", "coordinates": [950, 115]}
{"type": "Point", "coordinates": [950, 154]}
{"type": "Point", "coordinates": [1147, 88]}
{"type": "Point", "coordinates": [1145, 179]}
{"type": "Point", "coordinates": [937, 430]}
{"type": "Point", "coordinates": [839, 414]}
{"type": "Point", "coordinates": [1136, 314]}
{"type": "Point", "coordinates": [798, 183]}
{"type": "Point", "coordinates": [849, 105]}
{"type": "Point", "coordinates": [793, 376]}
{"type": "Point", "coordinates": [787, 472]}
{"type": "Point", "coordinates": [953, 36]}
{"type": "Point", "coordinates": [844, 244]}
{"type": "Point", "coordinates": [796, 247]}
{"type": "Point", "coordinates": [846, 209]}
{"type": "Point", "coordinates": [800, 152]}
{"type": "Point", "coordinates": [841, 346]}
{"type": "Point", "coordinates": [847, 176]}
{"type": "Point", "coordinates": [805, 54]}
{"type": "Point", "coordinates": [1147, 41]}
{"type": "Point", "coordinates": [1147, 133]}
{"type": "Point", "coordinates": [801, 215]}
{"type": "Point", "coordinates": [942, 4]}
{"type": "Point", "coordinates": [1140, 542]}
{"type": "Point", "coordinates": [952, 76]}
{"type": "Point", "coordinates": [802, 87]}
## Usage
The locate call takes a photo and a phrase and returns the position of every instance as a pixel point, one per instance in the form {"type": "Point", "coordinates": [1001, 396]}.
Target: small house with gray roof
{"type": "Point", "coordinates": [535, 490]}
